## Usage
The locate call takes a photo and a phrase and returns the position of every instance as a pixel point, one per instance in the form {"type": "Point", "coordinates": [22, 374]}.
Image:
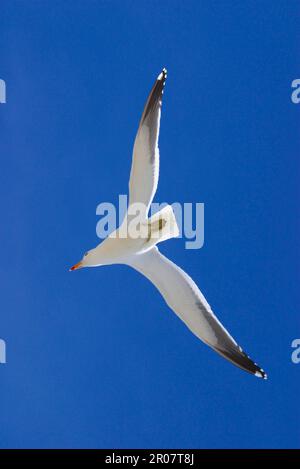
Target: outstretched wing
{"type": "Point", "coordinates": [186, 300]}
{"type": "Point", "coordinates": [145, 160]}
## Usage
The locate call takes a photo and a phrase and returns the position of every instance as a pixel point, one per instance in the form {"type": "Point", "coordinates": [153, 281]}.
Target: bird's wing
{"type": "Point", "coordinates": [184, 297]}
{"type": "Point", "coordinates": [145, 160]}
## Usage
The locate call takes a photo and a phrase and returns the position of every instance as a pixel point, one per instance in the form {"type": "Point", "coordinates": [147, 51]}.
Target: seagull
{"type": "Point", "coordinates": [141, 252]}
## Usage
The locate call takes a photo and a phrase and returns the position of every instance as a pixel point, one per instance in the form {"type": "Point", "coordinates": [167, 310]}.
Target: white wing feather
{"type": "Point", "coordinates": [184, 297]}
{"type": "Point", "coordinates": [145, 160]}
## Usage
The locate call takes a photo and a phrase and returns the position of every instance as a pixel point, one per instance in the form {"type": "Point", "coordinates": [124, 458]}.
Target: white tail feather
{"type": "Point", "coordinates": [162, 226]}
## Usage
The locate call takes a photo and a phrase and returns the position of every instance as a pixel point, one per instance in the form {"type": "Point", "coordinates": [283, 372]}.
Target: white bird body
{"type": "Point", "coordinates": [134, 243]}
{"type": "Point", "coordinates": [133, 237]}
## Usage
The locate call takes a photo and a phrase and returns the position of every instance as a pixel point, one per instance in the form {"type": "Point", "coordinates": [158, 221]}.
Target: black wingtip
{"type": "Point", "coordinates": [155, 97]}
{"type": "Point", "coordinates": [163, 75]}
{"type": "Point", "coordinates": [239, 358]}
{"type": "Point", "coordinates": [261, 374]}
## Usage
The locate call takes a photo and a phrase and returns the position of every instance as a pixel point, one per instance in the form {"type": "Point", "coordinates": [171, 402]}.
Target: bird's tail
{"type": "Point", "coordinates": [162, 226]}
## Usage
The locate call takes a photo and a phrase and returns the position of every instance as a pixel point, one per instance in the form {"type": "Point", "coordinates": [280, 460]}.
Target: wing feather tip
{"type": "Point", "coordinates": [243, 361]}
{"type": "Point", "coordinates": [162, 75]}
{"type": "Point", "coordinates": [261, 374]}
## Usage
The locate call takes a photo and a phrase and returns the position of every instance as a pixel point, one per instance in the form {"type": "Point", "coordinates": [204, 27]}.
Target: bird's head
{"type": "Point", "coordinates": [88, 260]}
{"type": "Point", "coordinates": [105, 253]}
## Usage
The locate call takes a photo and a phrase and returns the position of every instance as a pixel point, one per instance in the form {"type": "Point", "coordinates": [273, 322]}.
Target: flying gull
{"type": "Point", "coordinates": [141, 252]}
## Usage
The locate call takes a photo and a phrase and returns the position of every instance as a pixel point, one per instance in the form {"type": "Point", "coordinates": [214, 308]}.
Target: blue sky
{"type": "Point", "coordinates": [95, 358]}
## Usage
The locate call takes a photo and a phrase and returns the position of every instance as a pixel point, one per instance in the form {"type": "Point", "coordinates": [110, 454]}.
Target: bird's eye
{"type": "Point", "coordinates": [85, 254]}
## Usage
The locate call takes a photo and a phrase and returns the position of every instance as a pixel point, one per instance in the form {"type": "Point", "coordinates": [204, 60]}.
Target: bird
{"type": "Point", "coordinates": [140, 252]}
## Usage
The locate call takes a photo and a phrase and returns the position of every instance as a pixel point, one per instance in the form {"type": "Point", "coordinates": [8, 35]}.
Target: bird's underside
{"type": "Point", "coordinates": [178, 289]}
